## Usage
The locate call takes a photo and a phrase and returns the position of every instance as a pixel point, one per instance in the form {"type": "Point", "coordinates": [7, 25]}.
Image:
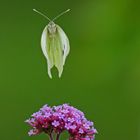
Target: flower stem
{"type": "Point", "coordinates": [57, 137]}
{"type": "Point", "coordinates": [51, 138]}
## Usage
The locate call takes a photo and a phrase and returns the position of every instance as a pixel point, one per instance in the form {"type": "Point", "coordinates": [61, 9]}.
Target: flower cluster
{"type": "Point", "coordinates": [56, 119]}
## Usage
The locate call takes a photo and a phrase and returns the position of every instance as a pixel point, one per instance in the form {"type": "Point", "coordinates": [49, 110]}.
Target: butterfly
{"type": "Point", "coordinates": [55, 44]}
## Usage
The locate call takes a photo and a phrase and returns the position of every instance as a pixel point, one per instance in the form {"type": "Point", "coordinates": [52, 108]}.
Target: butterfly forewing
{"type": "Point", "coordinates": [65, 43]}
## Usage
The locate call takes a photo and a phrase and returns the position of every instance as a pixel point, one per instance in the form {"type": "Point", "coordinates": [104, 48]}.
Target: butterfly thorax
{"type": "Point", "coordinates": [52, 28]}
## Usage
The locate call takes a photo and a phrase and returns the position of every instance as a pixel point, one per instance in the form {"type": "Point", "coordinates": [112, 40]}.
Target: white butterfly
{"type": "Point", "coordinates": [54, 44]}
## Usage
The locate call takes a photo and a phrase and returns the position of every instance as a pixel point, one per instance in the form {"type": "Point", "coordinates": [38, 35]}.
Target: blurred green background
{"type": "Point", "coordinates": [101, 76]}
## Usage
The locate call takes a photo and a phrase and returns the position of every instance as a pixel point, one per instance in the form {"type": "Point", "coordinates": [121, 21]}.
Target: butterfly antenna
{"type": "Point", "coordinates": [42, 14]}
{"type": "Point", "coordinates": [61, 14]}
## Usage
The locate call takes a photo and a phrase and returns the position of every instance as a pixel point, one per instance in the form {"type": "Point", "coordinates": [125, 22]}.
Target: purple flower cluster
{"type": "Point", "coordinates": [56, 119]}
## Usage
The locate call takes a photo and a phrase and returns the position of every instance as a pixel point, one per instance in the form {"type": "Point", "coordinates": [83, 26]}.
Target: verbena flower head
{"type": "Point", "coordinates": [57, 119]}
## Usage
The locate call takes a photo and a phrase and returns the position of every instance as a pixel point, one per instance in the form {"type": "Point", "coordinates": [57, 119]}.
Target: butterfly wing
{"type": "Point", "coordinates": [65, 43]}
{"type": "Point", "coordinates": [45, 41]}
{"type": "Point", "coordinates": [56, 47]}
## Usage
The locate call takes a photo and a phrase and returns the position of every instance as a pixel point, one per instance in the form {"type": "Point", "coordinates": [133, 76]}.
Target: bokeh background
{"type": "Point", "coordinates": [101, 76]}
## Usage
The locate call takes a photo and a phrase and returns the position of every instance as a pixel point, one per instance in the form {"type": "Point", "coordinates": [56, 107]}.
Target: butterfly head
{"type": "Point", "coordinates": [51, 27]}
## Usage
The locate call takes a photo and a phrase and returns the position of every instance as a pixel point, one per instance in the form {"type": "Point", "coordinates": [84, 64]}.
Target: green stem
{"type": "Point", "coordinates": [57, 137]}
{"type": "Point", "coordinates": [51, 137]}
